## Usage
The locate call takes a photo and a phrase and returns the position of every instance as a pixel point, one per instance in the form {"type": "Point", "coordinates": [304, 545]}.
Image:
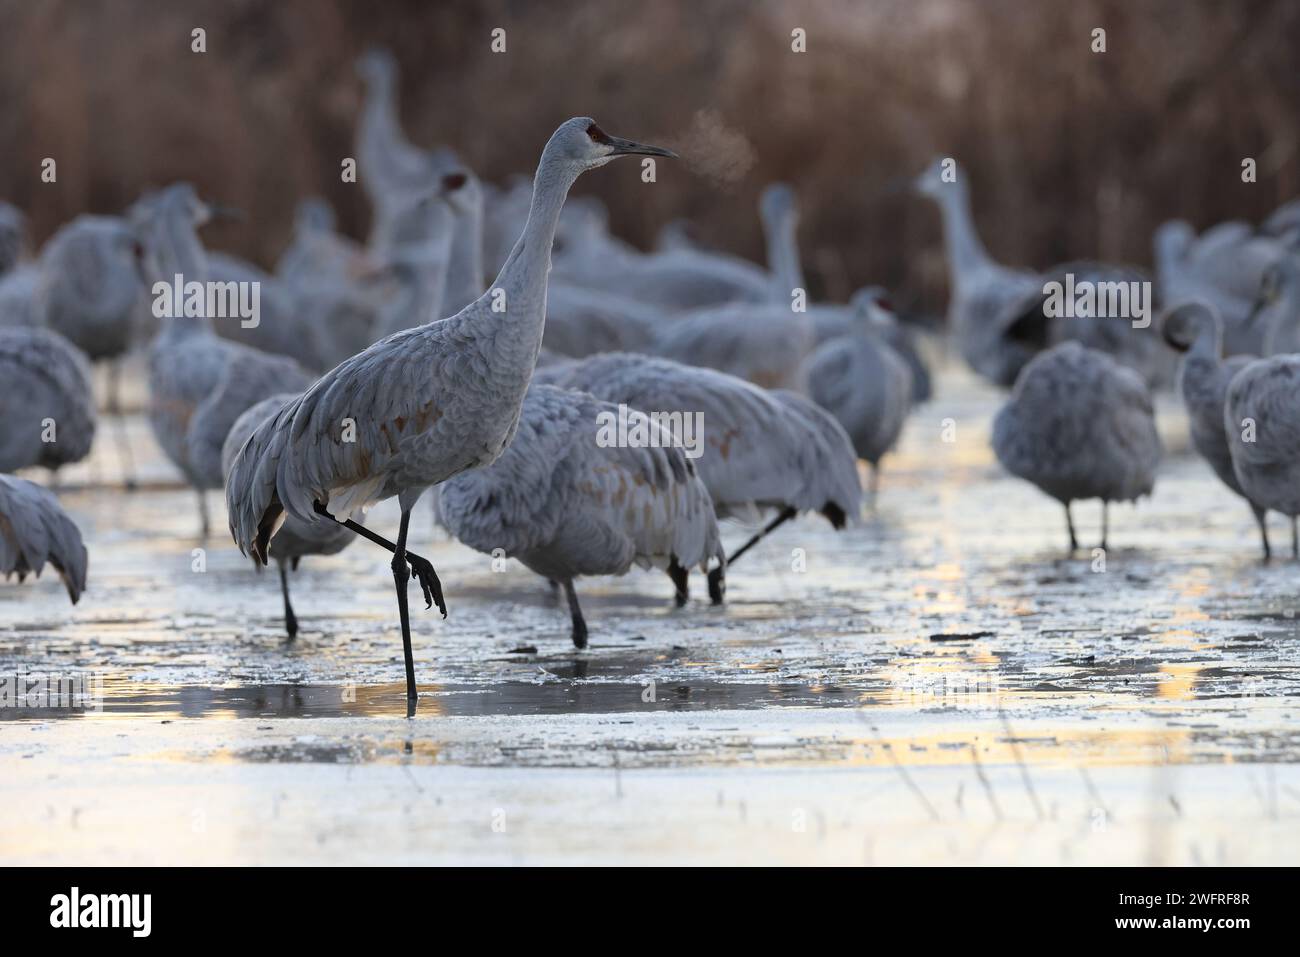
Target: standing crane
{"type": "Point", "coordinates": [420, 406]}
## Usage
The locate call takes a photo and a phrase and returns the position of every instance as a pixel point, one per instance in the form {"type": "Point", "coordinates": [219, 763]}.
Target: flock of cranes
{"type": "Point", "coordinates": [392, 367]}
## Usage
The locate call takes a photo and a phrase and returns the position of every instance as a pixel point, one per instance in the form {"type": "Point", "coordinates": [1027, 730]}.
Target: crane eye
{"type": "Point", "coordinates": [597, 134]}
{"type": "Point", "coordinates": [454, 181]}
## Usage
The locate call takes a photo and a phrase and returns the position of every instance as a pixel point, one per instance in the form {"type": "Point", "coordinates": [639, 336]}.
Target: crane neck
{"type": "Point", "coordinates": [966, 254]}
{"type": "Point", "coordinates": [465, 271]}
{"type": "Point", "coordinates": [179, 257]}
{"type": "Point", "coordinates": [524, 274]}
{"type": "Point", "coordinates": [783, 256]}
{"type": "Point", "coordinates": [379, 117]}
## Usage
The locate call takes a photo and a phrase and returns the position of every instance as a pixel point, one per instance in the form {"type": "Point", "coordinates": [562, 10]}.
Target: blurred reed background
{"type": "Point", "coordinates": [1070, 153]}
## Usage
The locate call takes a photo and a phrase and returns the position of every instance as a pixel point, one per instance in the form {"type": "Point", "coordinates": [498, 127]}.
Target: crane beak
{"type": "Point", "coordinates": [622, 147]}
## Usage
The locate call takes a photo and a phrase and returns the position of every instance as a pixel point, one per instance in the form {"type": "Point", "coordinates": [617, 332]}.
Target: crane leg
{"type": "Point", "coordinates": [1069, 523]}
{"type": "Point", "coordinates": [1295, 540]}
{"type": "Point", "coordinates": [575, 610]}
{"type": "Point", "coordinates": [114, 408]}
{"type": "Point", "coordinates": [205, 527]}
{"type": "Point", "coordinates": [874, 486]}
{"type": "Point", "coordinates": [421, 567]}
{"type": "Point", "coordinates": [1105, 522]}
{"type": "Point", "coordinates": [290, 619]}
{"type": "Point", "coordinates": [402, 575]}
{"type": "Point", "coordinates": [681, 583]}
{"type": "Point", "coordinates": [1261, 519]}
{"type": "Point", "coordinates": [716, 588]}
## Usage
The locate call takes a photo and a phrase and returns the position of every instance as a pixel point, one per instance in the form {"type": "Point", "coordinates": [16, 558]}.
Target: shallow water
{"type": "Point", "coordinates": [941, 684]}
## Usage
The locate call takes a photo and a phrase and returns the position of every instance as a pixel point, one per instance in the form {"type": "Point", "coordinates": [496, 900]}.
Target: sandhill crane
{"type": "Point", "coordinates": [465, 280]}
{"type": "Point", "coordinates": [18, 274]}
{"type": "Point", "coordinates": [34, 530]}
{"type": "Point", "coordinates": [1225, 267]}
{"type": "Point", "coordinates": [391, 170]}
{"type": "Point", "coordinates": [980, 289]}
{"type": "Point", "coordinates": [420, 259]}
{"type": "Point", "coordinates": [338, 317]}
{"type": "Point", "coordinates": [46, 405]}
{"type": "Point", "coordinates": [1261, 419]}
{"type": "Point", "coordinates": [18, 295]}
{"type": "Point", "coordinates": [867, 386]}
{"type": "Point", "coordinates": [1079, 425]}
{"type": "Point", "coordinates": [192, 400]}
{"type": "Point", "coordinates": [763, 343]}
{"type": "Point", "coordinates": [566, 505]}
{"type": "Point", "coordinates": [1275, 317]}
{"type": "Point", "coordinates": [779, 214]}
{"type": "Point", "coordinates": [1030, 327]}
{"type": "Point", "coordinates": [680, 234]}
{"type": "Point", "coordinates": [89, 288]}
{"type": "Point", "coordinates": [676, 280]}
{"type": "Point", "coordinates": [997, 314]}
{"type": "Point", "coordinates": [871, 312]}
{"type": "Point", "coordinates": [1194, 330]}
{"type": "Point", "coordinates": [316, 250]}
{"type": "Point", "coordinates": [295, 539]}
{"type": "Point", "coordinates": [759, 450]}
{"type": "Point", "coordinates": [582, 322]}
{"type": "Point", "coordinates": [421, 406]}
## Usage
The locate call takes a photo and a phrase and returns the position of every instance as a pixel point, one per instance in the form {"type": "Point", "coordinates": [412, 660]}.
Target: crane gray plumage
{"type": "Point", "coordinates": [422, 405]}
{"type": "Point", "coordinates": [981, 291]}
{"type": "Point", "coordinates": [90, 289]}
{"type": "Point", "coordinates": [18, 296]}
{"type": "Point", "coordinates": [390, 168]}
{"type": "Point", "coordinates": [281, 328]}
{"type": "Point", "coordinates": [764, 343]}
{"type": "Point", "coordinates": [1194, 330]}
{"type": "Point", "coordinates": [581, 321]}
{"type": "Point", "coordinates": [1079, 426]}
{"type": "Point", "coordinates": [296, 539]}
{"type": "Point", "coordinates": [35, 530]}
{"type": "Point", "coordinates": [1261, 418]}
{"type": "Point", "coordinates": [998, 314]}
{"type": "Point", "coordinates": [678, 279]}
{"type": "Point", "coordinates": [870, 312]}
{"type": "Point", "coordinates": [867, 387]}
{"type": "Point", "coordinates": [1032, 326]}
{"type": "Point", "coordinates": [316, 250]}
{"type": "Point", "coordinates": [1284, 224]}
{"type": "Point", "coordinates": [779, 214]}
{"type": "Point", "coordinates": [1275, 316]}
{"type": "Point", "coordinates": [759, 450]}
{"type": "Point", "coordinates": [191, 402]}
{"type": "Point", "coordinates": [47, 395]}
{"type": "Point", "coordinates": [465, 279]}
{"type": "Point", "coordinates": [566, 505]}
{"type": "Point", "coordinates": [1224, 267]}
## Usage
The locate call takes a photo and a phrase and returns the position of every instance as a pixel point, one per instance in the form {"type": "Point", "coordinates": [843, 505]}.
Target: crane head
{"type": "Point", "coordinates": [580, 142]}
{"type": "Point", "coordinates": [1186, 322]}
{"type": "Point", "coordinates": [942, 173]}
{"type": "Point", "coordinates": [777, 202]}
